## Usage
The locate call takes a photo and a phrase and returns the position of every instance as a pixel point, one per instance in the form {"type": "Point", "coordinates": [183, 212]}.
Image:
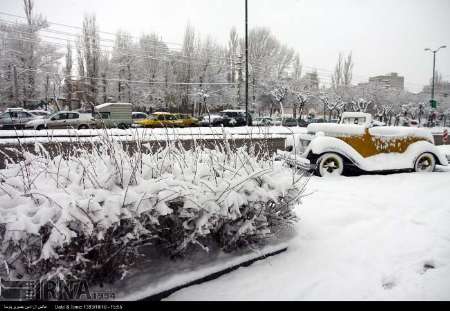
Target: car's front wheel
{"type": "Point", "coordinates": [40, 127]}
{"type": "Point", "coordinates": [330, 164]}
{"type": "Point", "coordinates": [425, 163]}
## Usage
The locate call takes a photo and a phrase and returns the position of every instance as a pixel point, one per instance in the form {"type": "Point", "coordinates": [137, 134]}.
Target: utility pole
{"type": "Point", "coordinates": [239, 80]}
{"type": "Point", "coordinates": [16, 89]}
{"type": "Point", "coordinates": [432, 101]}
{"type": "Point", "coordinates": [246, 62]}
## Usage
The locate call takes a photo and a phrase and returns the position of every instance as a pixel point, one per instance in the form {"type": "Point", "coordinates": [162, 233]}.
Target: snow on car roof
{"type": "Point", "coordinates": [356, 114]}
{"type": "Point", "coordinates": [109, 104]}
{"type": "Point", "coordinates": [333, 128]}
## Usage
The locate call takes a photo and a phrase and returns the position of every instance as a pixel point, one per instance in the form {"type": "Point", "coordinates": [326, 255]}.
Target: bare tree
{"type": "Point", "coordinates": [68, 88]}
{"type": "Point", "coordinates": [347, 73]}
{"type": "Point", "coordinates": [279, 95]}
{"type": "Point", "coordinates": [301, 99]}
{"type": "Point", "coordinates": [338, 75]}
{"type": "Point", "coordinates": [360, 105]}
{"type": "Point", "coordinates": [89, 57]}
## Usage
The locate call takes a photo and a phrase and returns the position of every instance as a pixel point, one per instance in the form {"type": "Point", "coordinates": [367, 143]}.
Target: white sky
{"type": "Point", "coordinates": [384, 35]}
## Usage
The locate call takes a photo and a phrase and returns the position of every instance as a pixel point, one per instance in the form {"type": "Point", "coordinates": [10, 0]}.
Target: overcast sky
{"type": "Point", "coordinates": [384, 35]}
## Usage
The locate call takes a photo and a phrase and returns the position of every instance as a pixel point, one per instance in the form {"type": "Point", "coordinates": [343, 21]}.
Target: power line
{"type": "Point", "coordinates": [212, 64]}
{"type": "Point", "coordinates": [132, 81]}
{"type": "Point", "coordinates": [109, 33]}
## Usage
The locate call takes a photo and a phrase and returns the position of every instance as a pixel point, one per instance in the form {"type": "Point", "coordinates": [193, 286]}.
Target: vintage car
{"type": "Point", "coordinates": [330, 149]}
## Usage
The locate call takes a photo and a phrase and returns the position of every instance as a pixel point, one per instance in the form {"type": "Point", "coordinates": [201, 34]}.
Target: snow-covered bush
{"type": "Point", "coordinates": [86, 214]}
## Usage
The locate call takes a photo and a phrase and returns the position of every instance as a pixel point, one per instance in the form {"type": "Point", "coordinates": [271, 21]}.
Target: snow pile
{"type": "Point", "coordinates": [377, 237]}
{"type": "Point", "coordinates": [86, 214]}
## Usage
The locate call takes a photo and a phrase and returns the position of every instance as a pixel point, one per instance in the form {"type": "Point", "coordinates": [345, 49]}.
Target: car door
{"type": "Point", "coordinates": [5, 120]}
{"type": "Point", "coordinates": [73, 120]}
{"type": "Point", "coordinates": [24, 117]}
{"type": "Point", "coordinates": [58, 121]}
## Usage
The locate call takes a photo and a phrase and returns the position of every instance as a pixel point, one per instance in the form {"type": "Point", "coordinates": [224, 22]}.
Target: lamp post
{"type": "Point", "coordinates": [246, 63]}
{"type": "Point", "coordinates": [434, 71]}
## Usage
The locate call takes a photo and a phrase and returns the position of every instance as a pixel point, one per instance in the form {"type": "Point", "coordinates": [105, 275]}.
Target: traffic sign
{"type": "Point", "coordinates": [433, 103]}
{"type": "Point", "coordinates": [445, 136]}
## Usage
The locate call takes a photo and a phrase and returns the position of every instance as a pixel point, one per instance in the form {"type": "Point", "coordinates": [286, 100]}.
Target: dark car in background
{"type": "Point", "coordinates": [289, 122]}
{"type": "Point", "coordinates": [317, 120]}
{"type": "Point", "coordinates": [234, 118]}
{"type": "Point", "coordinates": [302, 123]}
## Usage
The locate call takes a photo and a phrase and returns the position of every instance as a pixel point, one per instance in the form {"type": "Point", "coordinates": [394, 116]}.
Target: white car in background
{"type": "Point", "coordinates": [262, 121]}
{"type": "Point", "coordinates": [63, 120]}
{"type": "Point", "coordinates": [211, 120]}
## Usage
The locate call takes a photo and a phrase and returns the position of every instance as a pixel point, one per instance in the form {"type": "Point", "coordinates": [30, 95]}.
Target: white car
{"type": "Point", "coordinates": [211, 120]}
{"type": "Point", "coordinates": [63, 120]}
{"type": "Point", "coordinates": [262, 121]}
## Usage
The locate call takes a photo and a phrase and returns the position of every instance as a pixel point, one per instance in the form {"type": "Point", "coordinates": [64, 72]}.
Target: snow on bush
{"type": "Point", "coordinates": [86, 214]}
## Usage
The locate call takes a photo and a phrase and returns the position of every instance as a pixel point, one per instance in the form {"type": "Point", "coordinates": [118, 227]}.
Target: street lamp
{"type": "Point", "coordinates": [246, 63]}
{"type": "Point", "coordinates": [434, 69]}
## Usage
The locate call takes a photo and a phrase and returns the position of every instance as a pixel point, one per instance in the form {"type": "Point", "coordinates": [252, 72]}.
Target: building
{"type": "Point", "coordinates": [389, 81]}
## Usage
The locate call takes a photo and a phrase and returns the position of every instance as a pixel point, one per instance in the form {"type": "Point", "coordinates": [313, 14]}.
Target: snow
{"type": "Point", "coordinates": [181, 272]}
{"type": "Point", "coordinates": [157, 131]}
{"type": "Point", "coordinates": [335, 129]}
{"type": "Point", "coordinates": [401, 131]}
{"type": "Point", "coordinates": [359, 238]}
{"type": "Point", "coordinates": [113, 104]}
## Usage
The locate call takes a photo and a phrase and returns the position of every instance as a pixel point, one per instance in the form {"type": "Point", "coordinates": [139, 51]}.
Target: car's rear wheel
{"type": "Point", "coordinates": [40, 127]}
{"type": "Point", "coordinates": [83, 127]}
{"type": "Point", "coordinates": [330, 164]}
{"type": "Point", "coordinates": [425, 163]}
{"type": "Point", "coordinates": [122, 126]}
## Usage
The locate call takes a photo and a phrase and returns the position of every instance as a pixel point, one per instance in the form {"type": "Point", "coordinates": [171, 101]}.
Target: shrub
{"type": "Point", "coordinates": [87, 213]}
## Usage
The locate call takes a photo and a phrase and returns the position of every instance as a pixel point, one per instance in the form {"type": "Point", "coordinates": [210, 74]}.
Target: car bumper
{"type": "Point", "coordinates": [297, 161]}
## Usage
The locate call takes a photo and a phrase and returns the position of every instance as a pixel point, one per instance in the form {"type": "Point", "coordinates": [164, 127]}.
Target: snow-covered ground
{"type": "Point", "coordinates": [371, 237]}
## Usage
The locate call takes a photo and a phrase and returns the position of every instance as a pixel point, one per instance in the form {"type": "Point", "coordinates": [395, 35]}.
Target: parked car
{"type": "Point", "coordinates": [330, 149]}
{"type": "Point", "coordinates": [317, 120]}
{"type": "Point", "coordinates": [15, 119]}
{"type": "Point", "coordinates": [161, 119]}
{"type": "Point", "coordinates": [235, 118]}
{"type": "Point", "coordinates": [211, 120]}
{"type": "Point", "coordinates": [187, 120]}
{"type": "Point", "coordinates": [262, 121]}
{"type": "Point", "coordinates": [289, 122]}
{"type": "Point", "coordinates": [112, 115]}
{"type": "Point", "coordinates": [302, 123]}
{"type": "Point", "coordinates": [63, 120]}
{"type": "Point", "coordinates": [138, 116]}
{"type": "Point", "coordinates": [40, 113]}
{"type": "Point", "coordinates": [277, 121]}
{"type": "Point", "coordinates": [413, 123]}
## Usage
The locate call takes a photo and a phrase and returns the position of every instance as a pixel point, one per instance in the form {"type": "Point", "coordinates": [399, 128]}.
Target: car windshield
{"type": "Point", "coordinates": [52, 115]}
